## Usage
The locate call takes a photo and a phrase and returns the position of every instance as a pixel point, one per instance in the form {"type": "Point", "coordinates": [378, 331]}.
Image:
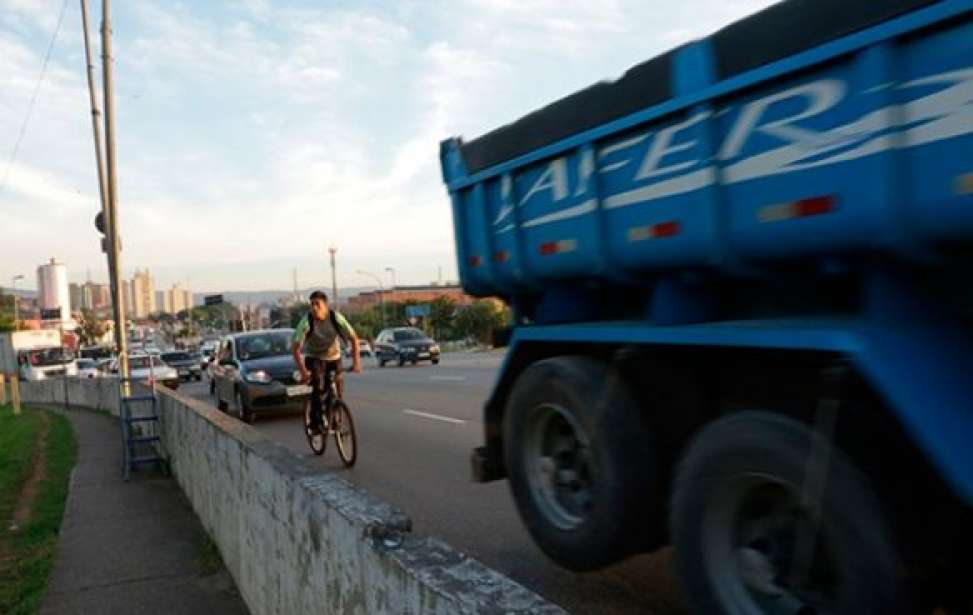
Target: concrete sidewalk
{"type": "Point", "coordinates": [133, 547]}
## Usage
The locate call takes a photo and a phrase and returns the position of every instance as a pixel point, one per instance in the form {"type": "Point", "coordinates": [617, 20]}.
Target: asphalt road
{"type": "Point", "coordinates": [416, 427]}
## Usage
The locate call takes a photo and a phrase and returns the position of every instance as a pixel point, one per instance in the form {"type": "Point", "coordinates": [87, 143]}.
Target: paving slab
{"type": "Point", "coordinates": [134, 547]}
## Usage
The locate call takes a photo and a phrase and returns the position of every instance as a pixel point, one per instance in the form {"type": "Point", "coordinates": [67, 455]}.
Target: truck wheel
{"type": "Point", "coordinates": [747, 542]}
{"type": "Point", "coordinates": [581, 464]}
{"type": "Point", "coordinates": [401, 360]}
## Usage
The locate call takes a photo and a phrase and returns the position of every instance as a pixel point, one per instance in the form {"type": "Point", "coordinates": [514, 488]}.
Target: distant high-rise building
{"type": "Point", "coordinates": [95, 296]}
{"type": "Point", "coordinates": [174, 300]}
{"type": "Point", "coordinates": [52, 288]}
{"type": "Point", "coordinates": [142, 294]}
{"type": "Point", "coordinates": [76, 292]}
{"type": "Point", "coordinates": [127, 299]}
{"type": "Point", "coordinates": [180, 298]}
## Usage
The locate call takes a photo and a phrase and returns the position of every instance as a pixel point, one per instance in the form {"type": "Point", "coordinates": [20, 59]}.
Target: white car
{"type": "Point", "coordinates": [364, 348]}
{"type": "Point", "coordinates": [146, 367]}
{"type": "Point", "coordinates": [88, 368]}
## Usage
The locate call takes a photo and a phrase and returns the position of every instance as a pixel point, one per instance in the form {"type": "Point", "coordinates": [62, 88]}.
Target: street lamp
{"type": "Point", "coordinates": [381, 292]}
{"type": "Point", "coordinates": [13, 287]}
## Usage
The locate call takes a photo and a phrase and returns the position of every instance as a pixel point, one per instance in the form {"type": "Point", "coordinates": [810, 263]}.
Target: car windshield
{"type": "Point", "coordinates": [175, 356]}
{"type": "Point", "coordinates": [50, 356]}
{"type": "Point", "coordinates": [263, 345]}
{"type": "Point", "coordinates": [409, 334]}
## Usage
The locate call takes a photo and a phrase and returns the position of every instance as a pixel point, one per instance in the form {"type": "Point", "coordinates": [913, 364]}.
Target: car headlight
{"type": "Point", "coordinates": [257, 375]}
{"type": "Point", "coordinates": [434, 348]}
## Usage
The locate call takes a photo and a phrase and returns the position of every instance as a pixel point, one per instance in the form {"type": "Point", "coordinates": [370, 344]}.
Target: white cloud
{"type": "Point", "coordinates": [258, 132]}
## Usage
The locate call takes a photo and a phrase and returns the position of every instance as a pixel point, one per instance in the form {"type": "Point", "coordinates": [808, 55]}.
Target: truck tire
{"type": "Point", "coordinates": [737, 522]}
{"type": "Point", "coordinates": [581, 464]}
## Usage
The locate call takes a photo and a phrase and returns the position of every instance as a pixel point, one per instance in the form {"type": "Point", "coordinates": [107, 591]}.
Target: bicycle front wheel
{"type": "Point", "coordinates": [317, 439]}
{"type": "Point", "coordinates": [344, 434]}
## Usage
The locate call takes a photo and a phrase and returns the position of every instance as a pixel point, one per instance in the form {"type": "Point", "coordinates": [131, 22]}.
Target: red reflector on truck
{"type": "Point", "coordinates": [814, 206]}
{"type": "Point", "coordinates": [558, 247]}
{"type": "Point", "coordinates": [502, 256]}
{"type": "Point", "coordinates": [473, 261]}
{"type": "Point", "coordinates": [654, 231]}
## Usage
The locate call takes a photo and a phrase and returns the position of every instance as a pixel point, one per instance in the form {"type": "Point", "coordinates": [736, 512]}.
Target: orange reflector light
{"type": "Point", "coordinates": [804, 208]}
{"type": "Point", "coordinates": [964, 184]}
{"type": "Point", "coordinates": [654, 231]}
{"type": "Point", "coordinates": [474, 261]}
{"type": "Point", "coordinates": [558, 247]}
{"type": "Point", "coordinates": [502, 256]}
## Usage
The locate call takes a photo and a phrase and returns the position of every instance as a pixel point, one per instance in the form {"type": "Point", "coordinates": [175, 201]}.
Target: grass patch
{"type": "Point", "coordinates": [17, 437]}
{"type": "Point", "coordinates": [210, 560]}
{"type": "Point", "coordinates": [28, 553]}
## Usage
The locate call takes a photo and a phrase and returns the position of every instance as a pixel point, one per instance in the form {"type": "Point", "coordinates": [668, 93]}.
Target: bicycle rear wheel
{"type": "Point", "coordinates": [344, 433]}
{"type": "Point", "coordinates": [317, 441]}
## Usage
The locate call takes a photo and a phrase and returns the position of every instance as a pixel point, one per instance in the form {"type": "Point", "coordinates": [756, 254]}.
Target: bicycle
{"type": "Point", "coordinates": [336, 416]}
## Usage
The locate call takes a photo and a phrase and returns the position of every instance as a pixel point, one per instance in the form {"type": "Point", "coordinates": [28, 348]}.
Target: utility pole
{"type": "Point", "coordinates": [111, 201]}
{"type": "Point", "coordinates": [99, 148]}
{"type": "Point", "coordinates": [13, 295]}
{"type": "Point", "coordinates": [334, 278]}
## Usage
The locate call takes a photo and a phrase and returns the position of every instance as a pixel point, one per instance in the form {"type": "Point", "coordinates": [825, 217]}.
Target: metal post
{"type": "Point", "coordinates": [64, 372]}
{"type": "Point", "coordinates": [3, 389]}
{"type": "Point", "coordinates": [334, 279]}
{"type": "Point", "coordinates": [95, 112]}
{"type": "Point", "coordinates": [111, 193]}
{"type": "Point", "coordinates": [13, 295]}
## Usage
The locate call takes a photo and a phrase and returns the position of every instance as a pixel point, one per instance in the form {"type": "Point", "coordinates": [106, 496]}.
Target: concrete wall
{"type": "Point", "coordinates": [298, 539]}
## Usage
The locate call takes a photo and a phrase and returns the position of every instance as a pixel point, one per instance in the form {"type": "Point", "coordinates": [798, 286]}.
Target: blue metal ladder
{"type": "Point", "coordinates": [134, 441]}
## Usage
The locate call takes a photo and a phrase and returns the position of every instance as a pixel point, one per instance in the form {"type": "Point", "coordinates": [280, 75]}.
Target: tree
{"type": "Point", "coordinates": [90, 329]}
{"type": "Point", "coordinates": [7, 319]}
{"type": "Point", "coordinates": [479, 320]}
{"type": "Point", "coordinates": [442, 316]}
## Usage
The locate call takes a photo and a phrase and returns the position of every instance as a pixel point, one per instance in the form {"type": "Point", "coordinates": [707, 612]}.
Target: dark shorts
{"type": "Point", "coordinates": [322, 373]}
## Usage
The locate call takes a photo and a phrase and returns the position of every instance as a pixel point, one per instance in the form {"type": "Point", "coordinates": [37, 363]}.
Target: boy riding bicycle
{"type": "Point", "coordinates": [317, 352]}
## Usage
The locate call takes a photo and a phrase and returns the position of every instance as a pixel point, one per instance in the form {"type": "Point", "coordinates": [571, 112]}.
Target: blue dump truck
{"type": "Point", "coordinates": [742, 283]}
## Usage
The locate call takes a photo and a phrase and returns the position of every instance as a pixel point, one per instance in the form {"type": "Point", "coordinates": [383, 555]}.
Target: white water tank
{"type": "Point", "coordinates": [52, 288]}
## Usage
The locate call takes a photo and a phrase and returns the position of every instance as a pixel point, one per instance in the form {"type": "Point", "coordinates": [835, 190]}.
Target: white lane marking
{"type": "Point", "coordinates": [435, 417]}
{"type": "Point", "coordinates": [448, 378]}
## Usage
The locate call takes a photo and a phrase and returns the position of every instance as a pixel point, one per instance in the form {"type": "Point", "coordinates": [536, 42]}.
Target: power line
{"type": "Point", "coordinates": [33, 98]}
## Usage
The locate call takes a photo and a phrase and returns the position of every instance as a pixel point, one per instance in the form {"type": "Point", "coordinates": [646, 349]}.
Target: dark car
{"type": "Point", "coordinates": [254, 373]}
{"type": "Point", "coordinates": [185, 363]}
{"type": "Point", "coordinates": [405, 344]}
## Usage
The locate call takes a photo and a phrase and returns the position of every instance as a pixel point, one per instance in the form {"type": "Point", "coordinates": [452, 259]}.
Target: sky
{"type": "Point", "coordinates": [254, 134]}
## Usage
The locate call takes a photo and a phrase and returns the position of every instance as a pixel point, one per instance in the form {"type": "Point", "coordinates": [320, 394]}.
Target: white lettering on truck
{"type": "Point", "coordinates": [941, 115]}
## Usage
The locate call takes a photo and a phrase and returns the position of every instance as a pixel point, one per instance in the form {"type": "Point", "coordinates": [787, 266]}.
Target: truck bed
{"type": "Point", "coordinates": [813, 132]}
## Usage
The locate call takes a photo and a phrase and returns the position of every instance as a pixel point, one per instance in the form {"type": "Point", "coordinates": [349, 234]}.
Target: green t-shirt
{"type": "Point", "coordinates": [323, 343]}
